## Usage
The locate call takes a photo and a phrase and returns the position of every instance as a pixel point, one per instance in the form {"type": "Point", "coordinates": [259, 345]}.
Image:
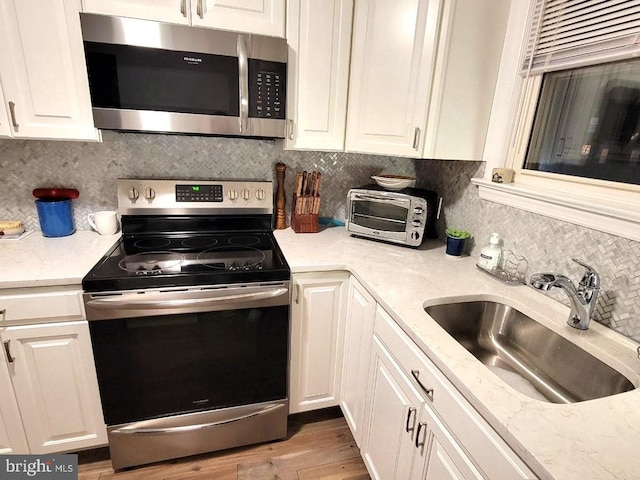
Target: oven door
{"type": "Point", "coordinates": [378, 215]}
{"type": "Point", "coordinates": [189, 371]}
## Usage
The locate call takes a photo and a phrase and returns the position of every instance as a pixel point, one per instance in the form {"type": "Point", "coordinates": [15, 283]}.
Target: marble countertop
{"type": "Point", "coordinates": [596, 439]}
{"type": "Point", "coordinates": [38, 261]}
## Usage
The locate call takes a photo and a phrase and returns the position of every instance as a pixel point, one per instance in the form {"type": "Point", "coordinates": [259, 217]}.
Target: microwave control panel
{"type": "Point", "coordinates": [267, 89]}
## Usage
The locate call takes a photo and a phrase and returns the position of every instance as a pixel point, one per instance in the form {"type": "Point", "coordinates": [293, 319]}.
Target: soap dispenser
{"type": "Point", "coordinates": [491, 253]}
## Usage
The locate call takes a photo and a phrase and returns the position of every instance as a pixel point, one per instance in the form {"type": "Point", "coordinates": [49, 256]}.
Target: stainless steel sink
{"type": "Point", "coordinates": [526, 354]}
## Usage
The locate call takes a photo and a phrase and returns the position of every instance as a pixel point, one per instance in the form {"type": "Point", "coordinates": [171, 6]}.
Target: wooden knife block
{"type": "Point", "coordinates": [307, 223]}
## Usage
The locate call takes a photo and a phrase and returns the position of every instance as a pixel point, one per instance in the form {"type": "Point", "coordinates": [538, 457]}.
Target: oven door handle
{"type": "Point", "coordinates": [137, 430]}
{"type": "Point", "coordinates": [400, 202]}
{"type": "Point", "coordinates": [135, 302]}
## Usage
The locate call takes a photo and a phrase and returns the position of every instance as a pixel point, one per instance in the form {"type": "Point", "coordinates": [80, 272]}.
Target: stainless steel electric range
{"type": "Point", "coordinates": [189, 320]}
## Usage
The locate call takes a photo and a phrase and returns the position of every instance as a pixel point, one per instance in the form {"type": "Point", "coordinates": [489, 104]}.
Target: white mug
{"type": "Point", "coordinates": [105, 223]}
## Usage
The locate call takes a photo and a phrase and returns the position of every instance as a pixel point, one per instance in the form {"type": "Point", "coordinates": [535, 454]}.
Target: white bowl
{"type": "Point", "coordinates": [394, 182]}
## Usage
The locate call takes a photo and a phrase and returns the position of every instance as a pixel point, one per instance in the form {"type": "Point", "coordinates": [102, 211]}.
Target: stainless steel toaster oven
{"type": "Point", "coordinates": [405, 217]}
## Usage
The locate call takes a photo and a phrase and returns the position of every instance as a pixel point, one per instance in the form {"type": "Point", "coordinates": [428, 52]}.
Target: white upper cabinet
{"type": "Point", "coordinates": [262, 17]}
{"type": "Point", "coordinates": [5, 130]}
{"type": "Point", "coordinates": [319, 37]}
{"type": "Point", "coordinates": [43, 71]}
{"type": "Point", "coordinates": [423, 75]}
{"type": "Point", "coordinates": [393, 54]}
{"type": "Point", "coordinates": [470, 46]}
{"type": "Point", "coordinates": [169, 11]}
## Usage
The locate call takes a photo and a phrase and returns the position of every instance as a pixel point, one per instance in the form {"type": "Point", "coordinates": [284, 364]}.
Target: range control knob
{"type": "Point", "coordinates": [415, 235]}
{"type": "Point", "coordinates": [232, 194]}
{"type": "Point", "coordinates": [246, 194]}
{"type": "Point", "coordinates": [416, 223]}
{"type": "Point", "coordinates": [133, 194]}
{"type": "Point", "coordinates": [260, 194]}
{"type": "Point", "coordinates": [418, 210]}
{"type": "Point", "coordinates": [149, 193]}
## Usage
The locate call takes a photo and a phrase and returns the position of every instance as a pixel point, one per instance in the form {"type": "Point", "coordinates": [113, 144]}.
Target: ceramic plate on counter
{"type": "Point", "coordinates": [394, 182]}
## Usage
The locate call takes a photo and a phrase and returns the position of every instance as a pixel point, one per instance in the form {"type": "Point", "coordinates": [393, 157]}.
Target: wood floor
{"type": "Point", "coordinates": [319, 446]}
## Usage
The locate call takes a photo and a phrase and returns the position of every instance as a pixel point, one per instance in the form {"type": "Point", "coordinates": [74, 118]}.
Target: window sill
{"type": "Point", "coordinates": [603, 215]}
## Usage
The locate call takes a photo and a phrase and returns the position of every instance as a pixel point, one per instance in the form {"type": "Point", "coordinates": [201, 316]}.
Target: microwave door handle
{"type": "Point", "coordinates": [243, 70]}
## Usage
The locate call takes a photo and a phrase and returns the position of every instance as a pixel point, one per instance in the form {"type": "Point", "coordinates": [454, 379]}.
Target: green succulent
{"type": "Point", "coordinates": [455, 233]}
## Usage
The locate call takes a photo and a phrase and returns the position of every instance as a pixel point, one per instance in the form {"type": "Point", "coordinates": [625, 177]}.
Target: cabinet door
{"type": "Point", "coordinates": [55, 383]}
{"type": "Point", "coordinates": [5, 130]}
{"type": "Point", "coordinates": [394, 44]}
{"type": "Point", "coordinates": [319, 37]}
{"type": "Point", "coordinates": [43, 70]}
{"type": "Point", "coordinates": [317, 330]}
{"type": "Point", "coordinates": [392, 406]}
{"type": "Point", "coordinates": [170, 11]}
{"type": "Point", "coordinates": [12, 439]}
{"type": "Point", "coordinates": [445, 459]}
{"type": "Point", "coordinates": [468, 60]}
{"type": "Point", "coordinates": [262, 17]}
{"type": "Point", "coordinates": [361, 309]}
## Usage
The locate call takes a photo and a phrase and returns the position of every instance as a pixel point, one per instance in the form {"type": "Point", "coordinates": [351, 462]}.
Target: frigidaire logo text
{"type": "Point", "coordinates": [192, 59]}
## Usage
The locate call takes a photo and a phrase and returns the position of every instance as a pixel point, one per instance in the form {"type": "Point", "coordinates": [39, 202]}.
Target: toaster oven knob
{"type": "Point", "coordinates": [260, 194]}
{"type": "Point", "coordinates": [149, 193]}
{"type": "Point", "coordinates": [416, 223]}
{"type": "Point", "coordinates": [418, 210]}
{"type": "Point", "coordinates": [415, 235]}
{"type": "Point", "coordinates": [246, 194]}
{"type": "Point", "coordinates": [133, 194]}
{"type": "Point", "coordinates": [233, 194]}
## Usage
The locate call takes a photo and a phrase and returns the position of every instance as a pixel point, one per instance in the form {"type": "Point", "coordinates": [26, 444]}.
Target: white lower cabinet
{"type": "Point", "coordinates": [12, 438]}
{"type": "Point", "coordinates": [317, 330]}
{"type": "Point", "coordinates": [361, 309]}
{"type": "Point", "coordinates": [53, 376]}
{"type": "Point", "coordinates": [419, 426]}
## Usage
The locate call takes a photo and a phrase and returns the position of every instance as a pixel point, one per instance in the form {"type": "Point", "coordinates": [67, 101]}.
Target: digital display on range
{"type": "Point", "coordinates": [199, 193]}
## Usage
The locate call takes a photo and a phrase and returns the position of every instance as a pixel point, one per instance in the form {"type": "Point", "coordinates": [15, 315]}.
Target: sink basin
{"type": "Point", "coordinates": [526, 354]}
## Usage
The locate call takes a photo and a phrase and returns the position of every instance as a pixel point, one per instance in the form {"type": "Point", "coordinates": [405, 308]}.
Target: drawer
{"type": "Point", "coordinates": [41, 303]}
{"type": "Point", "coordinates": [489, 451]}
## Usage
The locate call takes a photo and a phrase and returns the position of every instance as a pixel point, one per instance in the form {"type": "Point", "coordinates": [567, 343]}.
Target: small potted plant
{"type": "Point", "coordinates": [455, 241]}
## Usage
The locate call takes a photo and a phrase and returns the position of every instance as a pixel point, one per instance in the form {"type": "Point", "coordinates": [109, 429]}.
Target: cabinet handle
{"type": "Point", "coordinates": [183, 8]}
{"type": "Point", "coordinates": [12, 110]}
{"type": "Point", "coordinates": [420, 426]}
{"type": "Point", "coordinates": [290, 129]}
{"type": "Point", "coordinates": [200, 9]}
{"type": "Point", "coordinates": [297, 293]}
{"type": "Point", "coordinates": [416, 138]}
{"type": "Point", "coordinates": [428, 391]}
{"type": "Point", "coordinates": [411, 410]}
{"type": "Point", "coordinates": [7, 350]}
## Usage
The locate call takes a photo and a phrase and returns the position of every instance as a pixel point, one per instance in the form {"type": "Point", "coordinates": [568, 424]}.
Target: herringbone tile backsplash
{"type": "Point", "coordinates": [93, 168]}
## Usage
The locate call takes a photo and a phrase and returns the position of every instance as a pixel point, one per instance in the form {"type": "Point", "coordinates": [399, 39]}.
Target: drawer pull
{"type": "Point", "coordinates": [428, 391]}
{"type": "Point", "coordinates": [411, 410]}
{"type": "Point", "coordinates": [7, 351]}
{"type": "Point", "coordinates": [420, 426]}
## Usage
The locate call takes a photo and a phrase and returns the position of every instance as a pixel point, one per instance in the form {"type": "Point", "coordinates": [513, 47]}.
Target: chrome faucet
{"type": "Point", "coordinates": [583, 299]}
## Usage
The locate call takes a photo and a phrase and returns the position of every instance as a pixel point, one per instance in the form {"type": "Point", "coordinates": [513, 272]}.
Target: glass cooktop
{"type": "Point", "coordinates": [147, 261]}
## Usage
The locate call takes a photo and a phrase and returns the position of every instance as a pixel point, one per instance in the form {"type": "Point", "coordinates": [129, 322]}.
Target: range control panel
{"type": "Point", "coordinates": [198, 197]}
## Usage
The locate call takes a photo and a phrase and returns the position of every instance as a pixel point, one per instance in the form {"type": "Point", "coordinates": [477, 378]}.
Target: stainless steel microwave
{"type": "Point", "coordinates": [157, 77]}
{"type": "Point", "coordinates": [405, 217]}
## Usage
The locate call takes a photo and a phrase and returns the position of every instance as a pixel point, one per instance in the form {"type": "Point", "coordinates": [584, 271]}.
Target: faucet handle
{"type": "Point", "coordinates": [591, 278]}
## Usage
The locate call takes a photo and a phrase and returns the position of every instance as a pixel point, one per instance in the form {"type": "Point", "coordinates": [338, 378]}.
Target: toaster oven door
{"type": "Point", "coordinates": [379, 216]}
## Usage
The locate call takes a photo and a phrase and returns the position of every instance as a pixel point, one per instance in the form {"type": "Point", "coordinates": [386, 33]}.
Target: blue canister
{"type": "Point", "coordinates": [56, 217]}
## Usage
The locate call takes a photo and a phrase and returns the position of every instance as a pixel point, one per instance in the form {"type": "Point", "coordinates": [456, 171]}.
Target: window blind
{"type": "Point", "coordinates": [572, 33]}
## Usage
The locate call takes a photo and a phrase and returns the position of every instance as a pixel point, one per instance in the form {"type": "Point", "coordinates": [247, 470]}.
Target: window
{"type": "Point", "coordinates": [587, 123]}
{"type": "Point", "coordinates": [572, 114]}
